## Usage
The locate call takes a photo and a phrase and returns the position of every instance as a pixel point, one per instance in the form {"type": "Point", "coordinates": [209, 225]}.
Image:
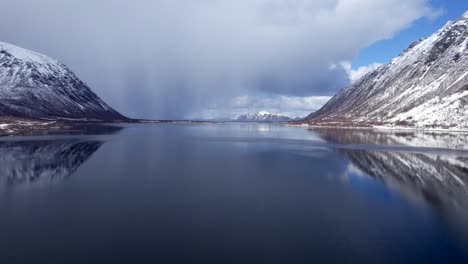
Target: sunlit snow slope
{"type": "Point", "coordinates": [426, 86]}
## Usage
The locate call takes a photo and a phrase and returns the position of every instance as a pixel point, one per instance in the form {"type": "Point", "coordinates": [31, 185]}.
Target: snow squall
{"type": "Point", "coordinates": [426, 86]}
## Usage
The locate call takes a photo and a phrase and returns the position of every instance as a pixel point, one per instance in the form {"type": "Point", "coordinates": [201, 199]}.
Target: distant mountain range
{"type": "Point", "coordinates": [426, 86]}
{"type": "Point", "coordinates": [265, 117]}
{"type": "Point", "coordinates": [35, 86]}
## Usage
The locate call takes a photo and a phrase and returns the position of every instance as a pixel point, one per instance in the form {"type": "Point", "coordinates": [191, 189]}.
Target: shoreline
{"type": "Point", "coordinates": [383, 128]}
{"type": "Point", "coordinates": [12, 126]}
{"type": "Point", "coordinates": [16, 126]}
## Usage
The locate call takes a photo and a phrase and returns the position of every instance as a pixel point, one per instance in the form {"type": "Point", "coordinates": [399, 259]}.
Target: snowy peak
{"type": "Point", "coordinates": [426, 86]}
{"type": "Point", "coordinates": [24, 54]}
{"type": "Point", "coordinates": [36, 86]}
{"type": "Point", "coordinates": [264, 116]}
{"type": "Point", "coordinates": [465, 15]}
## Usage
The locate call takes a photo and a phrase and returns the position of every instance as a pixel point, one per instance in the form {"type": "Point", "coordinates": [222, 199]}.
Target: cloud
{"type": "Point", "coordinates": [355, 74]}
{"type": "Point", "coordinates": [361, 71]}
{"type": "Point", "coordinates": [168, 58]}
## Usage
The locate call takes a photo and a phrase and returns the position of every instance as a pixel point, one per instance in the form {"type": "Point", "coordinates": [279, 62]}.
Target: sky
{"type": "Point", "coordinates": [179, 59]}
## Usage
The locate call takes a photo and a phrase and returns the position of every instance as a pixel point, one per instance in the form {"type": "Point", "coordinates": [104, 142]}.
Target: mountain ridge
{"type": "Point", "coordinates": [264, 117]}
{"type": "Point", "coordinates": [426, 86]}
{"type": "Point", "coordinates": [33, 85]}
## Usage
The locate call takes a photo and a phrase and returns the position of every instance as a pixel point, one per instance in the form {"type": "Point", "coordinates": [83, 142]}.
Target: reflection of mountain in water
{"type": "Point", "coordinates": [38, 161]}
{"type": "Point", "coordinates": [440, 178]}
{"type": "Point", "coordinates": [401, 138]}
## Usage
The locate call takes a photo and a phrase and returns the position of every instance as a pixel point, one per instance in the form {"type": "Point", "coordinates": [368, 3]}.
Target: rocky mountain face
{"type": "Point", "coordinates": [264, 117]}
{"type": "Point", "coordinates": [33, 85]}
{"type": "Point", "coordinates": [426, 86]}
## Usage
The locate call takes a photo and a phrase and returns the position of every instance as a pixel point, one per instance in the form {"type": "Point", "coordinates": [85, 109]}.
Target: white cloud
{"type": "Point", "coordinates": [355, 74]}
{"type": "Point", "coordinates": [361, 71]}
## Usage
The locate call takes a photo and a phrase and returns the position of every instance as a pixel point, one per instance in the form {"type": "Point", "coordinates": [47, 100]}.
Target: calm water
{"type": "Point", "coordinates": [234, 193]}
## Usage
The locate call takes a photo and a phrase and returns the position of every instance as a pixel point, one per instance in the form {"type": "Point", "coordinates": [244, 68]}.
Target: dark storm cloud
{"type": "Point", "coordinates": [166, 58]}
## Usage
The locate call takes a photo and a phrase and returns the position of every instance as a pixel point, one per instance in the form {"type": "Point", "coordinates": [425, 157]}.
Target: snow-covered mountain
{"type": "Point", "coordinates": [35, 86]}
{"type": "Point", "coordinates": [264, 117]}
{"type": "Point", "coordinates": [426, 86]}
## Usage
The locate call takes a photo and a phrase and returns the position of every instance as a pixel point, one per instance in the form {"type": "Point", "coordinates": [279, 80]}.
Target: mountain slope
{"type": "Point", "coordinates": [426, 86]}
{"type": "Point", "coordinates": [263, 117]}
{"type": "Point", "coordinates": [33, 85]}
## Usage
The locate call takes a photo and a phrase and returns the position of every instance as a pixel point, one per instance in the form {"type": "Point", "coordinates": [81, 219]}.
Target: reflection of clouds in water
{"type": "Point", "coordinates": [33, 162]}
{"type": "Point", "coordinates": [252, 131]}
{"type": "Point", "coordinates": [353, 171]}
{"type": "Point", "coordinates": [277, 131]}
{"type": "Point", "coordinates": [263, 128]}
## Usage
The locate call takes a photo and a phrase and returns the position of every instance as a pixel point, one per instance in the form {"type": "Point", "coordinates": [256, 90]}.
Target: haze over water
{"type": "Point", "coordinates": [234, 193]}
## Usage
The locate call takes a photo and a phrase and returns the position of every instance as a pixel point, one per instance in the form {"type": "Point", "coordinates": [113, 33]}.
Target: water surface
{"type": "Point", "coordinates": [234, 193]}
